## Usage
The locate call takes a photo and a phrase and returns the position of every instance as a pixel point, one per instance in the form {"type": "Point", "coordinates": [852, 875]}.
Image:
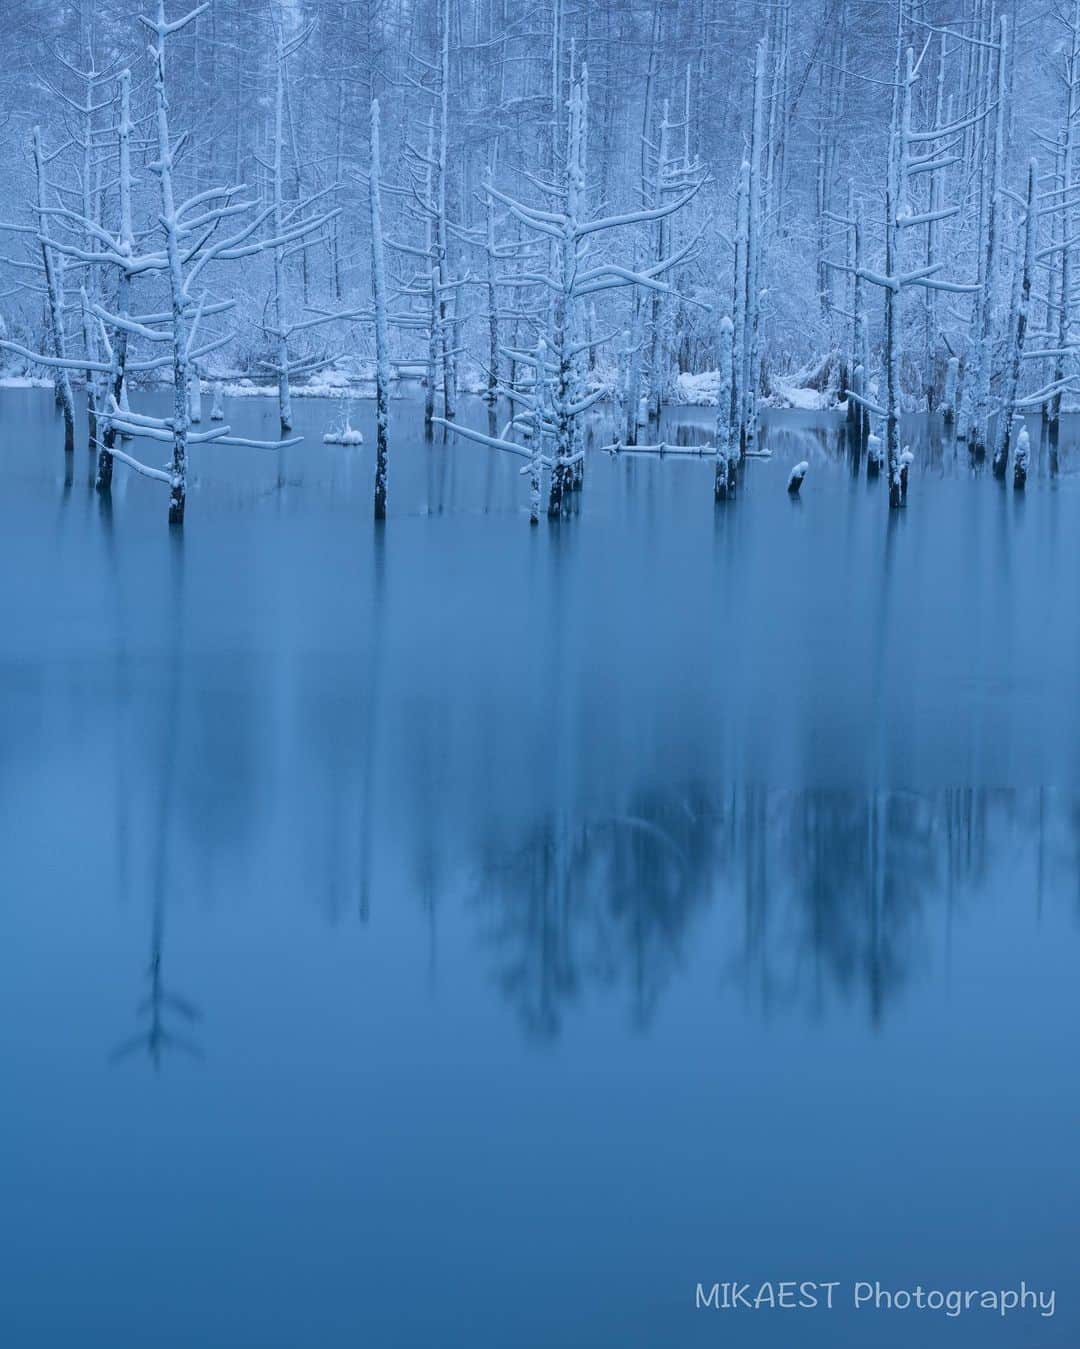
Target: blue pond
{"type": "Point", "coordinates": [462, 934]}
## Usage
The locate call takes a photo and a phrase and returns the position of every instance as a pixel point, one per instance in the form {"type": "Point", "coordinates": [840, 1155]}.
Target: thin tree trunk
{"type": "Point", "coordinates": [382, 340]}
{"type": "Point", "coordinates": [54, 288]}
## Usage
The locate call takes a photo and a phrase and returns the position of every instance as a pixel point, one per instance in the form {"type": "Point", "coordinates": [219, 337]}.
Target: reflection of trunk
{"type": "Point", "coordinates": [368, 797]}
{"type": "Point", "coordinates": [875, 892]}
{"type": "Point", "coordinates": [835, 889]}
{"type": "Point", "coordinates": [756, 891]}
{"type": "Point", "coordinates": [162, 1009]}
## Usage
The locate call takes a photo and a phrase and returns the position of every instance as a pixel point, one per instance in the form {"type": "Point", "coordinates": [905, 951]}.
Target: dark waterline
{"type": "Point", "coordinates": [531, 923]}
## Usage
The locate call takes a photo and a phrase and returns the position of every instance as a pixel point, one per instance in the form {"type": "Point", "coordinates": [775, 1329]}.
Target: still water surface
{"type": "Point", "coordinates": [459, 934]}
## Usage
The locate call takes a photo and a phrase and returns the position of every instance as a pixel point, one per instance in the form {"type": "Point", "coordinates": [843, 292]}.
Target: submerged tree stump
{"type": "Point", "coordinates": [874, 452]}
{"type": "Point", "coordinates": [906, 460]}
{"type": "Point", "coordinates": [1020, 463]}
{"type": "Point", "coordinates": [952, 385]}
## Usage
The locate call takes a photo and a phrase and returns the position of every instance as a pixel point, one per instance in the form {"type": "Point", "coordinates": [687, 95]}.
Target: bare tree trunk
{"type": "Point", "coordinates": [382, 340]}
{"type": "Point", "coordinates": [724, 478]}
{"type": "Point", "coordinates": [54, 288]}
{"type": "Point", "coordinates": [752, 360]}
{"type": "Point", "coordinates": [1018, 328]}
{"type": "Point", "coordinates": [164, 167]}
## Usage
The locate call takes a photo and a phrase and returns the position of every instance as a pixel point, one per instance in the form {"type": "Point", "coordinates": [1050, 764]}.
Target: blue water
{"type": "Point", "coordinates": [462, 934]}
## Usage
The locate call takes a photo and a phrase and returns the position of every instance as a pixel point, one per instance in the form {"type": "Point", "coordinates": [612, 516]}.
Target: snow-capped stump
{"type": "Point", "coordinates": [906, 460]}
{"type": "Point", "coordinates": [217, 411]}
{"type": "Point", "coordinates": [795, 480]}
{"type": "Point", "coordinates": [1020, 463]}
{"type": "Point", "coordinates": [952, 384]}
{"type": "Point", "coordinates": [345, 434]}
{"type": "Point", "coordinates": [875, 455]}
{"type": "Point", "coordinates": [724, 480]}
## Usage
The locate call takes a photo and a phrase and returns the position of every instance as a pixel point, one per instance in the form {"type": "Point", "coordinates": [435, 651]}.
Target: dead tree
{"type": "Point", "coordinates": [551, 407]}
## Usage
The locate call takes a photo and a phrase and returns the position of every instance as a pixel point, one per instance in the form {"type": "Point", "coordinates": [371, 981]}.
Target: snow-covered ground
{"type": "Point", "coordinates": [785, 395]}
{"type": "Point", "coordinates": [690, 390]}
{"type": "Point", "coordinates": [699, 390]}
{"type": "Point", "coordinates": [24, 382]}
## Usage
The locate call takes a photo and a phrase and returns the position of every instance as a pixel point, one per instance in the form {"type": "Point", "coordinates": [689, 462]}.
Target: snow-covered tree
{"type": "Point", "coordinates": [1017, 328]}
{"type": "Point", "coordinates": [276, 96]}
{"type": "Point", "coordinates": [913, 154]}
{"type": "Point", "coordinates": [285, 326]}
{"type": "Point", "coordinates": [553, 402]}
{"type": "Point", "coordinates": [192, 234]}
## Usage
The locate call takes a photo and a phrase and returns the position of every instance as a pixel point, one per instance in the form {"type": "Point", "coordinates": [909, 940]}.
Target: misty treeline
{"type": "Point", "coordinates": [549, 204]}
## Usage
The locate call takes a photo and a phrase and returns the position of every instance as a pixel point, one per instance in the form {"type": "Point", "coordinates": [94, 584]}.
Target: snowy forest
{"type": "Point", "coordinates": [866, 205]}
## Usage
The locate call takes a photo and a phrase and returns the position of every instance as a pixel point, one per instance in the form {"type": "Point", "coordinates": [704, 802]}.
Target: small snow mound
{"type": "Point", "coordinates": [343, 435]}
{"type": "Point", "coordinates": [805, 400]}
{"type": "Point", "coordinates": [699, 390]}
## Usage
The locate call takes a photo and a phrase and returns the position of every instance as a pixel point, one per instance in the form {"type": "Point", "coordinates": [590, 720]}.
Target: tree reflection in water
{"type": "Point", "coordinates": [805, 896]}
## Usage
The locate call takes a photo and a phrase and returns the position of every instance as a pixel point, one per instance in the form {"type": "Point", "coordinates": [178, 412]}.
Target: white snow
{"type": "Point", "coordinates": [24, 382]}
{"type": "Point", "coordinates": [806, 400]}
{"type": "Point", "coordinates": [700, 390]}
{"type": "Point", "coordinates": [343, 435]}
{"type": "Point", "coordinates": [697, 390]}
